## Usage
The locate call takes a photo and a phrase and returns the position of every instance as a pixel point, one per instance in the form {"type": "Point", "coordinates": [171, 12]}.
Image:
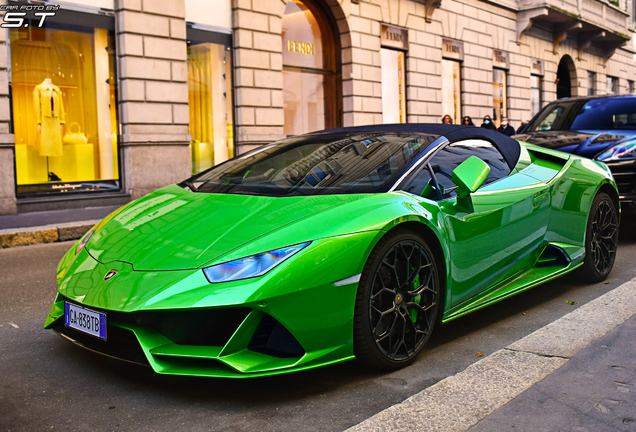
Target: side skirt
{"type": "Point", "coordinates": [515, 284]}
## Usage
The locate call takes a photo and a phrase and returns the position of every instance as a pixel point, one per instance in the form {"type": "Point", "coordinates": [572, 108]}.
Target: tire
{"type": "Point", "coordinates": [394, 319]}
{"type": "Point", "coordinates": [601, 239]}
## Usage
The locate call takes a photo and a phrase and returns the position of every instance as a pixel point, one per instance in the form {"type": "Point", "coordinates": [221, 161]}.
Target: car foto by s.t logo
{"type": "Point", "coordinates": [14, 16]}
{"type": "Point", "coordinates": [110, 274]}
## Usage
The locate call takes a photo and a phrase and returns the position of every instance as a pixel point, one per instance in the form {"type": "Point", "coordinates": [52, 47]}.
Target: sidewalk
{"type": "Point", "coordinates": [48, 227]}
{"type": "Point", "coordinates": [577, 373]}
{"type": "Point", "coordinates": [594, 391]}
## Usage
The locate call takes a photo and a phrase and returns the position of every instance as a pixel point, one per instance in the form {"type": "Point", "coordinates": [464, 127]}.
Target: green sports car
{"type": "Point", "coordinates": [341, 244]}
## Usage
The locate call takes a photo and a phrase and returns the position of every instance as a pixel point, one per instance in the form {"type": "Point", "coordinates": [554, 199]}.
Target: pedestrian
{"type": "Point", "coordinates": [522, 127]}
{"type": "Point", "coordinates": [487, 124]}
{"type": "Point", "coordinates": [505, 128]}
{"type": "Point", "coordinates": [467, 121]}
{"type": "Point", "coordinates": [447, 119]}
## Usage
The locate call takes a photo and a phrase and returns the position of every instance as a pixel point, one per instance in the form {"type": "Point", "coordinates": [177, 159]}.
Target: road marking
{"type": "Point", "coordinates": [460, 401]}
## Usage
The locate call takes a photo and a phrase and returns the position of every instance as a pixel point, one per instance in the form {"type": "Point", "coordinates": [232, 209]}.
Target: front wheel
{"type": "Point", "coordinates": [397, 301]}
{"type": "Point", "coordinates": [601, 239]}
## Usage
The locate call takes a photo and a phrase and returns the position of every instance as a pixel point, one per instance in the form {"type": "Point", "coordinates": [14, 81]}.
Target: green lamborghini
{"type": "Point", "coordinates": [337, 245]}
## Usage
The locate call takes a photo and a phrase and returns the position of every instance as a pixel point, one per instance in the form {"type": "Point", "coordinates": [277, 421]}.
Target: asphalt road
{"type": "Point", "coordinates": [47, 383]}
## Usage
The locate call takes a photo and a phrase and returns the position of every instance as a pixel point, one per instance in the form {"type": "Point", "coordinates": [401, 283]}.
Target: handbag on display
{"type": "Point", "coordinates": [74, 135]}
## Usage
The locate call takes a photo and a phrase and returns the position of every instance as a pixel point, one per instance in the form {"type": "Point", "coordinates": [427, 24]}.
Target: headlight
{"type": "Point", "coordinates": [84, 240]}
{"type": "Point", "coordinates": [622, 151]}
{"type": "Point", "coordinates": [251, 266]}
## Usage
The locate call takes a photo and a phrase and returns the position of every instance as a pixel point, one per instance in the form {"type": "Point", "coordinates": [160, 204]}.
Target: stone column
{"type": "Point", "coordinates": [362, 77]}
{"type": "Point", "coordinates": [258, 63]}
{"type": "Point", "coordinates": [424, 70]}
{"type": "Point", "coordinates": [7, 142]}
{"type": "Point", "coordinates": [579, 87]}
{"type": "Point", "coordinates": [153, 93]}
{"type": "Point", "coordinates": [549, 80]}
{"type": "Point", "coordinates": [519, 89]}
{"type": "Point", "coordinates": [600, 87]}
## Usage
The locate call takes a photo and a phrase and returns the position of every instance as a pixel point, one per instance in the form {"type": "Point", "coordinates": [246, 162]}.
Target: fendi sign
{"type": "Point", "coordinates": [500, 59]}
{"type": "Point", "coordinates": [537, 67]}
{"type": "Point", "coordinates": [394, 37]}
{"type": "Point", "coordinates": [452, 49]}
{"type": "Point", "coordinates": [300, 47]}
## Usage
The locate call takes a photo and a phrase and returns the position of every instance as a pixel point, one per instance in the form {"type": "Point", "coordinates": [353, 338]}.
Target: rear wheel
{"type": "Point", "coordinates": [397, 301]}
{"type": "Point", "coordinates": [601, 239]}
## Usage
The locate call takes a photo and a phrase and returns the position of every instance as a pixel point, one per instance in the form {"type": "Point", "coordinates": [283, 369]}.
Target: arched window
{"type": "Point", "coordinates": [311, 88]}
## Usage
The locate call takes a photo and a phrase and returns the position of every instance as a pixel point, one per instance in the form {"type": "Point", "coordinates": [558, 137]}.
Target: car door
{"type": "Point", "coordinates": [499, 238]}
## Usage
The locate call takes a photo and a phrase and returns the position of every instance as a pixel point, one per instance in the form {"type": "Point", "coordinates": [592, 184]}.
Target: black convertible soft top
{"type": "Point", "coordinates": [509, 147]}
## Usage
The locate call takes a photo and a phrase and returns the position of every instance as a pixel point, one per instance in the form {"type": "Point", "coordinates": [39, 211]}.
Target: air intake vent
{"type": "Point", "coordinates": [553, 256]}
{"type": "Point", "coordinates": [207, 327]}
{"type": "Point", "coordinates": [272, 338]}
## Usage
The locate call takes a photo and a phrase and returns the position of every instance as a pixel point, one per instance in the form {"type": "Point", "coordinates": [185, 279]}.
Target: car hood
{"type": "Point", "coordinates": [582, 143]}
{"type": "Point", "coordinates": [176, 229]}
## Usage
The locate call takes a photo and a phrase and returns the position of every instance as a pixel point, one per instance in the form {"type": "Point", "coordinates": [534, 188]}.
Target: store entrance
{"type": "Point", "coordinates": [565, 77]}
{"type": "Point", "coordinates": [311, 70]}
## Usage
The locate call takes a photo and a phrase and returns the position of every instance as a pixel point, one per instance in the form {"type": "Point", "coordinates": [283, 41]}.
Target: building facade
{"type": "Point", "coordinates": [110, 100]}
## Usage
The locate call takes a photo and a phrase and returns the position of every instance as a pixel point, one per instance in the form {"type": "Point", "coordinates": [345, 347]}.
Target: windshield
{"type": "Point", "coordinates": [597, 114]}
{"type": "Point", "coordinates": [316, 165]}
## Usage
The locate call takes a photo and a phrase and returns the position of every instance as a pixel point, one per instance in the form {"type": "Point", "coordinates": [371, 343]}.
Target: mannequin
{"type": "Point", "coordinates": [49, 112]}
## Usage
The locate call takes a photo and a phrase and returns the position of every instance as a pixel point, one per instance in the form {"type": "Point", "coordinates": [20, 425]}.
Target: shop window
{"type": "Point", "coordinates": [393, 86]}
{"type": "Point", "coordinates": [499, 96]}
{"type": "Point", "coordinates": [612, 85]}
{"type": "Point", "coordinates": [591, 80]}
{"type": "Point", "coordinates": [535, 94]}
{"type": "Point", "coordinates": [210, 99]}
{"type": "Point", "coordinates": [451, 89]}
{"type": "Point", "coordinates": [309, 70]}
{"type": "Point", "coordinates": [630, 87]}
{"type": "Point", "coordinates": [62, 80]}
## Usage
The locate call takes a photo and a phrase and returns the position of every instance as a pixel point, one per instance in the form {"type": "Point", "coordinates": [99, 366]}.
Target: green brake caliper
{"type": "Point", "coordinates": [416, 299]}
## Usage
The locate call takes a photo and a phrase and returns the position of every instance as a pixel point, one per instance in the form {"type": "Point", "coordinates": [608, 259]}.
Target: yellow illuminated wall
{"type": "Point", "coordinates": [81, 66]}
{"type": "Point", "coordinates": [499, 96]}
{"type": "Point", "coordinates": [210, 104]}
{"type": "Point", "coordinates": [451, 89]}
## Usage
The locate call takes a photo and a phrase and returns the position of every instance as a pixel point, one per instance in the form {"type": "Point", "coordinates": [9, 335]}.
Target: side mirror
{"type": "Point", "coordinates": [468, 176]}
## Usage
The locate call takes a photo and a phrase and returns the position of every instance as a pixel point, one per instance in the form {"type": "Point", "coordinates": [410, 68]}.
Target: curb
{"type": "Point", "coordinates": [44, 234]}
{"type": "Point", "coordinates": [460, 401]}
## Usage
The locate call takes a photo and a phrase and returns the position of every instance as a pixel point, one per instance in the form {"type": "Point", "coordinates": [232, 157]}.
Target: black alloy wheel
{"type": "Point", "coordinates": [601, 239]}
{"type": "Point", "coordinates": [397, 302]}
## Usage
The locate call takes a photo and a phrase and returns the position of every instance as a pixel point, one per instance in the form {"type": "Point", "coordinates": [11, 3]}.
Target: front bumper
{"type": "Point", "coordinates": [624, 173]}
{"type": "Point", "coordinates": [234, 343]}
{"type": "Point", "coordinates": [293, 318]}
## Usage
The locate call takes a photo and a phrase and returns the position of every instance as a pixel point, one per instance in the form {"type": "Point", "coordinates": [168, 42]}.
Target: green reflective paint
{"type": "Point", "coordinates": [160, 243]}
{"type": "Point", "coordinates": [469, 175]}
{"type": "Point", "coordinates": [175, 229]}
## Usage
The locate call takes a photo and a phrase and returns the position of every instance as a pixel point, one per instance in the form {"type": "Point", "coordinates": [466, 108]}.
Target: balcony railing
{"type": "Point", "coordinates": [590, 22]}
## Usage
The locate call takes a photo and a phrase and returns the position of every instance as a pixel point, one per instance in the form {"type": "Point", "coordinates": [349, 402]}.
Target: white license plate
{"type": "Point", "coordinates": [85, 320]}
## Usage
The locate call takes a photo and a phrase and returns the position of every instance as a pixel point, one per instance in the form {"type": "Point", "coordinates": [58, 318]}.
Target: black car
{"type": "Point", "coordinates": [597, 127]}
